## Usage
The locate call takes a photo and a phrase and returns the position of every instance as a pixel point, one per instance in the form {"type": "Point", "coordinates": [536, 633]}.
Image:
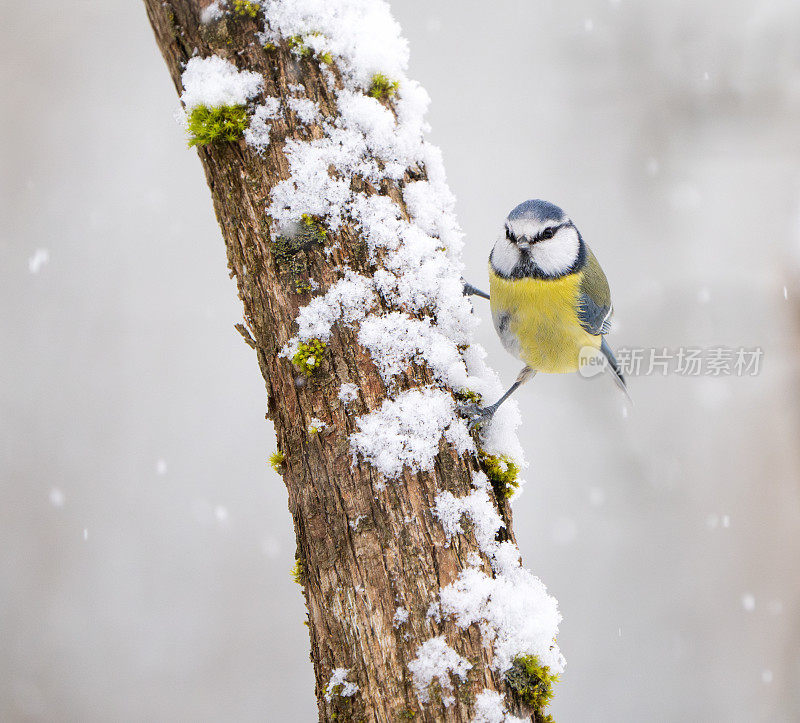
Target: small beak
{"type": "Point", "coordinates": [523, 245]}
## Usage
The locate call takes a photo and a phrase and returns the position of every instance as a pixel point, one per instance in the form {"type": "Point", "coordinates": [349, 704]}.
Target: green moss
{"type": "Point", "coordinates": [502, 472]}
{"type": "Point", "coordinates": [276, 460]}
{"type": "Point", "coordinates": [246, 8]}
{"type": "Point", "coordinates": [269, 47]}
{"type": "Point", "coordinates": [303, 287]}
{"type": "Point", "coordinates": [284, 249]}
{"type": "Point", "coordinates": [309, 355]}
{"type": "Point", "coordinates": [221, 124]}
{"type": "Point", "coordinates": [312, 230]}
{"type": "Point", "coordinates": [342, 708]}
{"type": "Point", "coordinates": [468, 396]}
{"type": "Point", "coordinates": [298, 46]}
{"type": "Point", "coordinates": [533, 683]}
{"type": "Point", "coordinates": [298, 572]}
{"type": "Point", "coordinates": [382, 87]}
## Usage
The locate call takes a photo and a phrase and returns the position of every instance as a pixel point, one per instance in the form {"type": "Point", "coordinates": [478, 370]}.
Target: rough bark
{"type": "Point", "coordinates": [354, 576]}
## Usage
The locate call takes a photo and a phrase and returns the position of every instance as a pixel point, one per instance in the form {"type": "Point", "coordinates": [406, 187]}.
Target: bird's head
{"type": "Point", "coordinates": [538, 239]}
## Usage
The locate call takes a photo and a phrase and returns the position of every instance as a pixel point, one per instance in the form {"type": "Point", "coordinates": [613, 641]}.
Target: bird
{"type": "Point", "coordinates": [548, 295]}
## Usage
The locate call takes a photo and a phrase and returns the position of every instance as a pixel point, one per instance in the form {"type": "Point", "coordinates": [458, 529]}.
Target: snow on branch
{"type": "Point", "coordinates": [406, 431]}
{"type": "Point", "coordinates": [490, 708]}
{"type": "Point", "coordinates": [437, 661]}
{"type": "Point", "coordinates": [337, 685]}
{"type": "Point", "coordinates": [214, 82]}
{"type": "Point", "coordinates": [377, 135]}
{"type": "Point", "coordinates": [418, 277]}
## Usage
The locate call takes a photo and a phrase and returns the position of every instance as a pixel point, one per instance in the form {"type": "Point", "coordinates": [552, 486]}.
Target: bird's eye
{"type": "Point", "coordinates": [547, 233]}
{"type": "Point", "coordinates": [508, 234]}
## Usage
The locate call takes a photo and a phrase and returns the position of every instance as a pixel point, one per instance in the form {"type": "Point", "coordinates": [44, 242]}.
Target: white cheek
{"type": "Point", "coordinates": [558, 254]}
{"type": "Point", "coordinates": [505, 255]}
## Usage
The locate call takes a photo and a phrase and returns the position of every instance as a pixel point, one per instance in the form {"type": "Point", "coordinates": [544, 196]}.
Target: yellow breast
{"type": "Point", "coordinates": [537, 320]}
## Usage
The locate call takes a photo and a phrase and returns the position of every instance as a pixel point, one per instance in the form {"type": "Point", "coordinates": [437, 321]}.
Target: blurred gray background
{"type": "Point", "coordinates": [145, 544]}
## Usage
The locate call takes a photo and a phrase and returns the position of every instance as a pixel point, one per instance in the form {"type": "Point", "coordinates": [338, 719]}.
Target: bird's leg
{"type": "Point", "coordinates": [525, 374]}
{"type": "Point", "coordinates": [470, 290]}
{"type": "Point", "coordinates": [478, 415]}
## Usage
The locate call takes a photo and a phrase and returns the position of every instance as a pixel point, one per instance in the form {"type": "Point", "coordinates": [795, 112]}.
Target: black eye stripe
{"type": "Point", "coordinates": [550, 231]}
{"type": "Point", "coordinates": [543, 235]}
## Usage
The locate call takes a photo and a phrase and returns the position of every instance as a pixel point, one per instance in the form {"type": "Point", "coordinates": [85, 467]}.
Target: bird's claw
{"type": "Point", "coordinates": [470, 290]}
{"type": "Point", "coordinates": [474, 415]}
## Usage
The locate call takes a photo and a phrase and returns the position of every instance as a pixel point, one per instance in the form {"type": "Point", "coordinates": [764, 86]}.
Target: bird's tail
{"type": "Point", "coordinates": [619, 378]}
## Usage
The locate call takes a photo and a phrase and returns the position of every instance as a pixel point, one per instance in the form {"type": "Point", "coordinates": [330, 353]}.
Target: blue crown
{"type": "Point", "coordinates": [538, 210]}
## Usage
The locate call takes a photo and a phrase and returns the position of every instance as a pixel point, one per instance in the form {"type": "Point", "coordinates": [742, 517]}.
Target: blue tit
{"type": "Point", "coordinates": [548, 295]}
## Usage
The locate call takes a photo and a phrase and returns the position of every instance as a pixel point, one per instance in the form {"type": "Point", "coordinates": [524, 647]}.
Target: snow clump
{"type": "Point", "coordinates": [338, 679]}
{"type": "Point", "coordinates": [490, 708]}
{"type": "Point", "coordinates": [477, 506]}
{"type": "Point", "coordinates": [435, 659]}
{"type": "Point", "coordinates": [215, 82]}
{"type": "Point", "coordinates": [348, 392]}
{"type": "Point", "coordinates": [257, 135]}
{"type": "Point", "coordinates": [213, 12]}
{"type": "Point", "coordinates": [512, 609]}
{"type": "Point", "coordinates": [361, 35]}
{"type": "Point", "coordinates": [307, 110]}
{"type": "Point", "coordinates": [407, 430]}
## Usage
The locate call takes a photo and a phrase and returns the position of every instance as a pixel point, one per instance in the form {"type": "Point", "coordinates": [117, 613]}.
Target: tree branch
{"type": "Point", "coordinates": [372, 555]}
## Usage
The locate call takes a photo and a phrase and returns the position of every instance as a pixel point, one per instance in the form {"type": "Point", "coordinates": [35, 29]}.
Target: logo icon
{"type": "Point", "coordinates": [591, 362]}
